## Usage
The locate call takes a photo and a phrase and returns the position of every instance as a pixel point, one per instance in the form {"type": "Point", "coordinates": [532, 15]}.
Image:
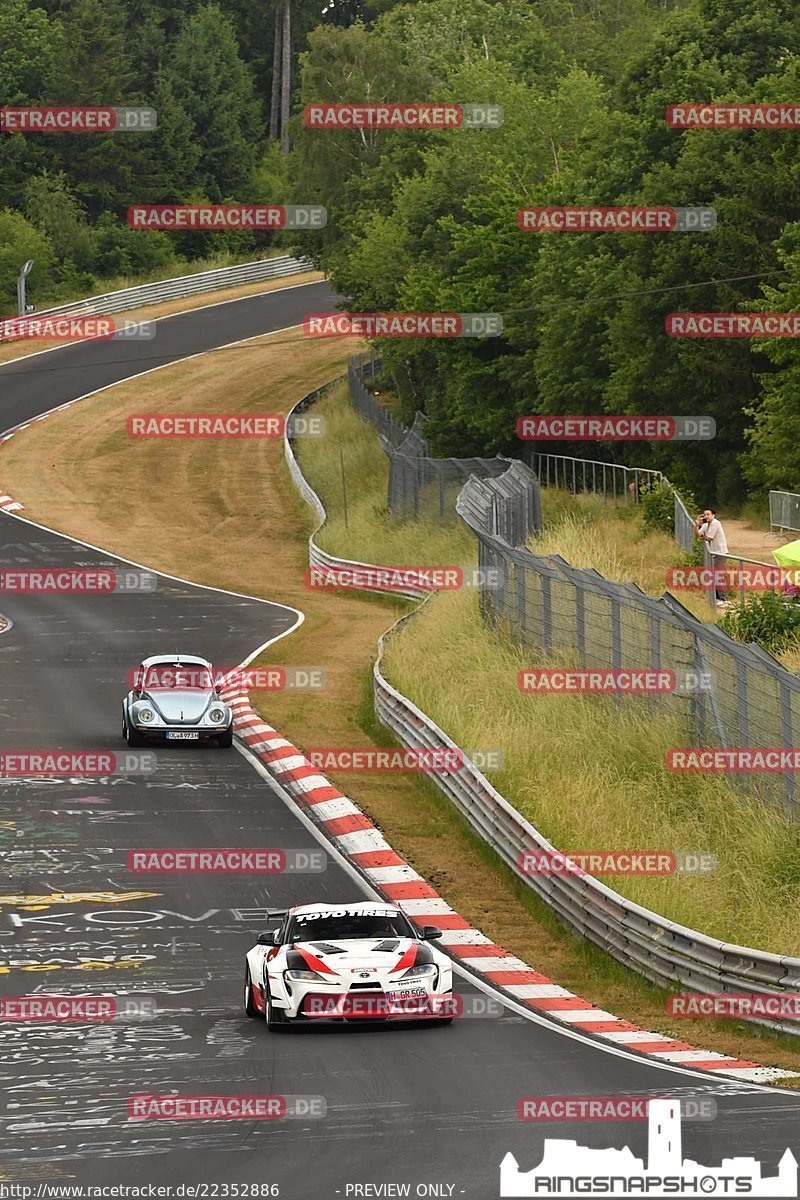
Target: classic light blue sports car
{"type": "Point", "coordinates": [174, 698]}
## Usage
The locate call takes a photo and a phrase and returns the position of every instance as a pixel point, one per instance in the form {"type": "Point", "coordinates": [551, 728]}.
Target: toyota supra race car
{"type": "Point", "coordinates": [174, 699]}
{"type": "Point", "coordinates": [347, 962]}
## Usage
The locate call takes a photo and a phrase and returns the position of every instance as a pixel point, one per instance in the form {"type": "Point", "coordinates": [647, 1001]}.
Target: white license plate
{"type": "Point", "coordinates": [183, 737]}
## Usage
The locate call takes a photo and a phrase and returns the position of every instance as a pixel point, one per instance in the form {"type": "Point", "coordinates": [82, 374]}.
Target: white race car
{"type": "Point", "coordinates": [346, 962]}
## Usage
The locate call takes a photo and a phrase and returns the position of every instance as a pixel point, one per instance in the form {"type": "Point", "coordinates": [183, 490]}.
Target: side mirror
{"type": "Point", "coordinates": [266, 939]}
{"type": "Point", "coordinates": [430, 933]}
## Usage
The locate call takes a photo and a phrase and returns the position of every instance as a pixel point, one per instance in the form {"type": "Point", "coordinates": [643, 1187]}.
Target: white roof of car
{"type": "Point", "coordinates": [187, 659]}
{"type": "Point", "coordinates": [360, 906]}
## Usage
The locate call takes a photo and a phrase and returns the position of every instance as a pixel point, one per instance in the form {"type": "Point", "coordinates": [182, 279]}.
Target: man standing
{"type": "Point", "coordinates": [710, 530]}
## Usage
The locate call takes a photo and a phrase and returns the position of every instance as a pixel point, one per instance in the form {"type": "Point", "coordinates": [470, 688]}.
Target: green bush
{"type": "Point", "coordinates": [769, 619]}
{"type": "Point", "coordinates": [658, 510]}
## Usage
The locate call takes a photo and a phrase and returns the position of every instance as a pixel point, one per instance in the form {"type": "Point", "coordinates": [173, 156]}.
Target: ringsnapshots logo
{"type": "Point", "coordinates": [545, 1109]}
{"type": "Point", "coordinates": [732, 325]}
{"type": "Point", "coordinates": [171, 1107]}
{"type": "Point", "coordinates": [224, 425]}
{"type": "Point", "coordinates": [694, 115]}
{"type": "Point", "coordinates": [616, 862]}
{"type": "Point", "coordinates": [403, 325]}
{"type": "Point", "coordinates": [222, 861]}
{"type": "Point", "coordinates": [622, 219]}
{"type": "Point", "coordinates": [388, 115]}
{"type": "Point", "coordinates": [94, 581]}
{"type": "Point", "coordinates": [112, 119]}
{"type": "Point", "coordinates": [74, 763]}
{"type": "Point", "coordinates": [201, 218]}
{"type": "Point", "coordinates": [75, 329]}
{"type": "Point", "coordinates": [615, 429]}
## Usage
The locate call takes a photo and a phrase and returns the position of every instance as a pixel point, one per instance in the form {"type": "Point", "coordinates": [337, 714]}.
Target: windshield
{"type": "Point", "coordinates": [338, 926]}
{"type": "Point", "coordinates": [177, 676]}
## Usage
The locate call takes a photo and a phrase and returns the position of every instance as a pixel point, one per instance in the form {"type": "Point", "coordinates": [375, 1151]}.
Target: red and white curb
{"type": "Point", "coordinates": [355, 836]}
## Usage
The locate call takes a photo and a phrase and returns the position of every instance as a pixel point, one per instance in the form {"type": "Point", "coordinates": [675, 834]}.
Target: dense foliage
{"type": "Point", "coordinates": [427, 221]}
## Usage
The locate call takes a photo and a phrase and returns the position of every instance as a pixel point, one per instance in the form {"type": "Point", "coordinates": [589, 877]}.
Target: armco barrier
{"type": "Point", "coordinates": [661, 950]}
{"type": "Point", "coordinates": [318, 557]}
{"type": "Point", "coordinates": [185, 285]}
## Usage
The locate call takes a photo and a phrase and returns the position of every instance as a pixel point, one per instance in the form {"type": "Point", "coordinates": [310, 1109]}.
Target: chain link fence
{"type": "Point", "coordinates": [733, 695]}
{"type": "Point", "coordinates": [422, 486]}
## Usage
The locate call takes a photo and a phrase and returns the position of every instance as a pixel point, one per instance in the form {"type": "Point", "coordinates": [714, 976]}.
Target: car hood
{"type": "Point", "coordinates": [356, 954]}
{"type": "Point", "coordinates": [179, 705]}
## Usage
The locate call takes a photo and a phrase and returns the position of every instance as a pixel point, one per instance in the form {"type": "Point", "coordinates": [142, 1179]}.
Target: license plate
{"type": "Point", "coordinates": [183, 737]}
{"type": "Point", "coordinates": [415, 992]}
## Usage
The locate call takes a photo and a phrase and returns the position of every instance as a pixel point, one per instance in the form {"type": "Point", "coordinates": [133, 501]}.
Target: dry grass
{"type": "Point", "coordinates": [69, 471]}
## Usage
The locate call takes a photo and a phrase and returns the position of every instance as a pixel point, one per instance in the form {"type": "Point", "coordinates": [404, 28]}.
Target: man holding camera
{"type": "Point", "coordinates": [710, 530]}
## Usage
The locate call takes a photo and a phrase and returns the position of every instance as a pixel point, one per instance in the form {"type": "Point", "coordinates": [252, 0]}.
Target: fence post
{"type": "Point", "coordinates": [787, 739]}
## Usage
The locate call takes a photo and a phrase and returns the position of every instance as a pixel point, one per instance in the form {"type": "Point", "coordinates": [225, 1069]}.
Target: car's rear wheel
{"type": "Point", "coordinates": [249, 1004]}
{"type": "Point", "coordinates": [225, 740]}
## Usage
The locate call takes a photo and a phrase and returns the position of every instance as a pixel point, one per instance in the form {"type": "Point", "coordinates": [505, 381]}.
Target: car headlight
{"type": "Point", "coordinates": [303, 976]}
{"type": "Point", "coordinates": [145, 714]}
{"type": "Point", "coordinates": [216, 715]}
{"type": "Point", "coordinates": [422, 972]}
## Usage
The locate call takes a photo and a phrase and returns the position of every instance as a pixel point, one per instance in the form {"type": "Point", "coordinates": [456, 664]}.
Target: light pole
{"type": "Point", "coordinates": [21, 287]}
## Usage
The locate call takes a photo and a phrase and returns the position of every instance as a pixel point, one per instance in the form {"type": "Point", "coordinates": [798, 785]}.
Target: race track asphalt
{"type": "Point", "coordinates": [405, 1105]}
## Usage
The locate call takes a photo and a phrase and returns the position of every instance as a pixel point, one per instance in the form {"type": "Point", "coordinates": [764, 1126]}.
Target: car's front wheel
{"type": "Point", "coordinates": [226, 739]}
{"type": "Point", "coordinates": [276, 1017]}
{"type": "Point", "coordinates": [131, 736]}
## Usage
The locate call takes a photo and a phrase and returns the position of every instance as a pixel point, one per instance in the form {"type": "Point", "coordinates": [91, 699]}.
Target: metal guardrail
{"type": "Point", "coordinates": [659, 949]}
{"type": "Point", "coordinates": [318, 557]}
{"type": "Point", "coordinates": [185, 285]}
{"type": "Point", "coordinates": [784, 511]}
{"type": "Point", "coordinates": [593, 475]}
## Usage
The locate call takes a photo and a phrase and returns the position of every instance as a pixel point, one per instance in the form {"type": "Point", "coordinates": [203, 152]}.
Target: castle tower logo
{"type": "Point", "coordinates": [568, 1169]}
